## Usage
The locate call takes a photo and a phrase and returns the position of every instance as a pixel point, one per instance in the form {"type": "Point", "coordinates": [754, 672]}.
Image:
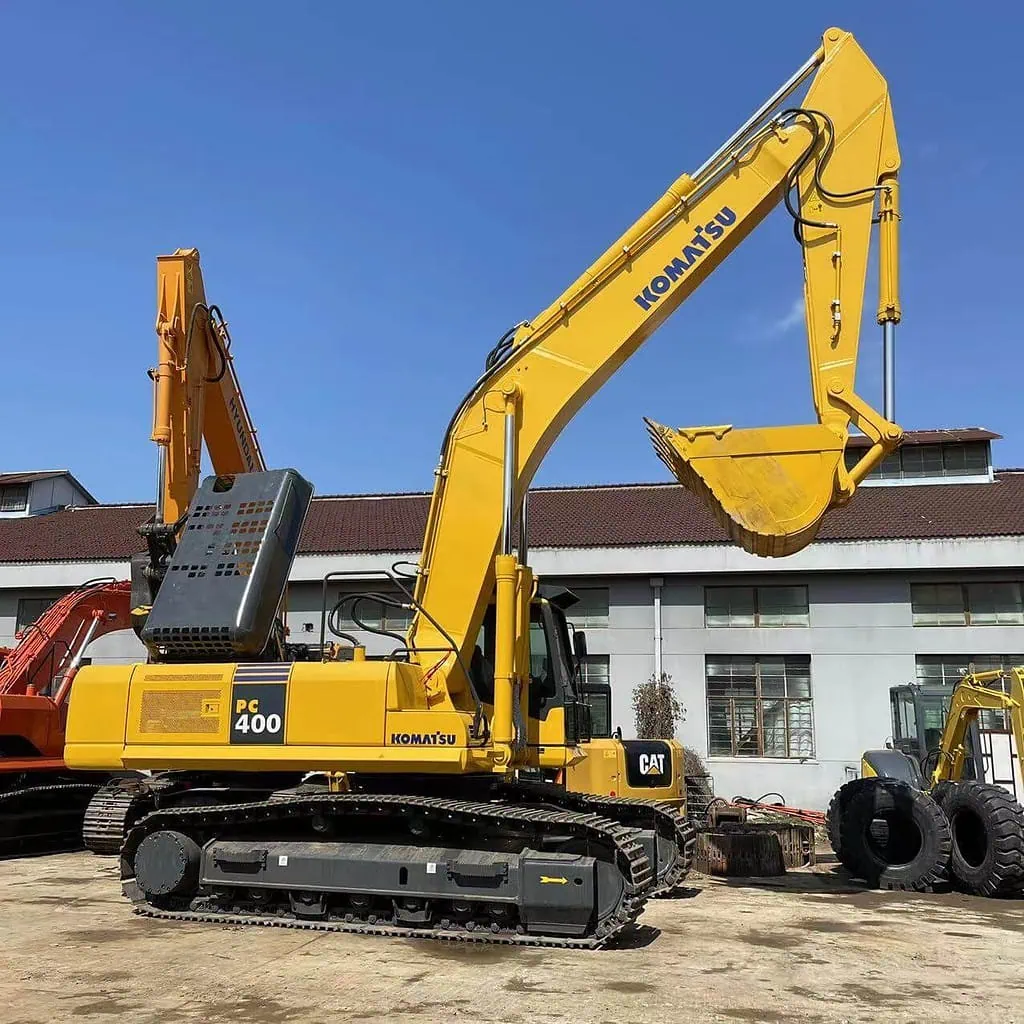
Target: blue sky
{"type": "Point", "coordinates": [379, 191]}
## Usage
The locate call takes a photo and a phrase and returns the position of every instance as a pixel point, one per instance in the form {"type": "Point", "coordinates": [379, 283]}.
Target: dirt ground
{"type": "Point", "coordinates": [805, 948]}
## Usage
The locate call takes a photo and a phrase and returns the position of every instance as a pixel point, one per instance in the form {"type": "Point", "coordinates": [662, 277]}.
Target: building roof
{"type": "Point", "coordinates": [626, 515]}
{"type": "Point", "coordinates": [954, 434]}
{"type": "Point", "coordinates": [31, 476]}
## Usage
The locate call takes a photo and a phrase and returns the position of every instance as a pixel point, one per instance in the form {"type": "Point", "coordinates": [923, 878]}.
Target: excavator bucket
{"type": "Point", "coordinates": [768, 487]}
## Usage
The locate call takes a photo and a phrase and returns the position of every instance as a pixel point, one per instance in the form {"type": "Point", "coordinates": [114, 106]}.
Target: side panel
{"type": "Point", "coordinates": [94, 737]}
{"type": "Point", "coordinates": [301, 716]}
{"type": "Point", "coordinates": [600, 772]}
{"type": "Point", "coordinates": [641, 768]}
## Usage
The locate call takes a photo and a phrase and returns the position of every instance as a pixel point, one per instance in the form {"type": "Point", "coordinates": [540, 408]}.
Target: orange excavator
{"type": "Point", "coordinates": [42, 802]}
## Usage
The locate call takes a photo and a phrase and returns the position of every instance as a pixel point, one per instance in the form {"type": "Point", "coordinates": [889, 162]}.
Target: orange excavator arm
{"type": "Point", "coordinates": [196, 398]}
{"type": "Point", "coordinates": [197, 395]}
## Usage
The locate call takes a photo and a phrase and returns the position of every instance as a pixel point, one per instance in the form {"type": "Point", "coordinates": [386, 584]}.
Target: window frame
{"type": "Point", "coordinates": [758, 610]}
{"type": "Point", "coordinates": [45, 603]}
{"type": "Point", "coordinates": [388, 618]}
{"type": "Point", "coordinates": [596, 661]}
{"type": "Point", "coordinates": [792, 663]}
{"type": "Point", "coordinates": [956, 459]}
{"type": "Point", "coordinates": [968, 616]}
{"type": "Point", "coordinates": [15, 505]}
{"type": "Point", "coordinates": [589, 620]}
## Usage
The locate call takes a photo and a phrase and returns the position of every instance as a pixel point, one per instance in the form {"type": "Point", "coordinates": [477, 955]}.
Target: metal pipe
{"type": "Point", "coordinates": [76, 661]}
{"type": "Point", "coordinates": [508, 475]}
{"type": "Point", "coordinates": [523, 545]}
{"type": "Point", "coordinates": [161, 476]}
{"type": "Point", "coordinates": [889, 370]}
{"type": "Point", "coordinates": [760, 114]}
{"type": "Point", "coordinates": [656, 585]}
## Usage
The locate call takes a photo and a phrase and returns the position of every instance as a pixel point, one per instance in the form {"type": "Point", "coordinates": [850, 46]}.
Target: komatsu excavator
{"type": "Point", "coordinates": [437, 818]}
{"type": "Point", "coordinates": [197, 405]}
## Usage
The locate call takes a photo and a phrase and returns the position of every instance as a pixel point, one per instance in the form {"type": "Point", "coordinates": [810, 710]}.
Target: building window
{"type": "Point", "coordinates": [946, 670]}
{"type": "Point", "coordinates": [594, 668]}
{"type": "Point", "coordinates": [755, 606]}
{"type": "Point", "coordinates": [918, 461]}
{"type": "Point", "coordinates": [967, 604]}
{"type": "Point", "coordinates": [591, 610]}
{"type": "Point", "coordinates": [29, 609]}
{"type": "Point", "coordinates": [595, 675]}
{"type": "Point", "coordinates": [377, 616]}
{"type": "Point", "coordinates": [14, 498]}
{"type": "Point", "coordinates": [759, 707]}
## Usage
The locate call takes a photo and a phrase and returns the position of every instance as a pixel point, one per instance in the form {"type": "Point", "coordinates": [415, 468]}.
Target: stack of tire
{"type": "Point", "coordinates": [894, 836]}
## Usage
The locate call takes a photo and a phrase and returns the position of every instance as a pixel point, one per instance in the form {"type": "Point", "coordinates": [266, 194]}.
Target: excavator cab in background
{"type": "Point", "coordinates": [919, 716]}
{"type": "Point", "coordinates": [936, 730]}
{"type": "Point", "coordinates": [437, 818]}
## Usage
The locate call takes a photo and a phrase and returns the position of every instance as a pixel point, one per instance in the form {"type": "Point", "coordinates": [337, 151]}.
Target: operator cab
{"type": "Point", "coordinates": [554, 665]}
{"type": "Point", "coordinates": [918, 720]}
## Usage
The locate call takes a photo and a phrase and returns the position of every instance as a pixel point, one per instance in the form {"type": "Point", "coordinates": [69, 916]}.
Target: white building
{"type": "Point", "coordinates": [40, 491]}
{"type": "Point", "coordinates": [784, 666]}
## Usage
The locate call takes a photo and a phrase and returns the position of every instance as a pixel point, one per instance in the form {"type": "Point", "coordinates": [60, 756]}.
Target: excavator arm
{"type": "Point", "coordinates": [834, 161]}
{"type": "Point", "coordinates": [973, 694]}
{"type": "Point", "coordinates": [196, 392]}
{"type": "Point", "coordinates": [196, 398]}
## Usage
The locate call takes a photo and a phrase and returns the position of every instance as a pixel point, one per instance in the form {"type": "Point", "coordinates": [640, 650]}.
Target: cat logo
{"type": "Point", "coordinates": [652, 764]}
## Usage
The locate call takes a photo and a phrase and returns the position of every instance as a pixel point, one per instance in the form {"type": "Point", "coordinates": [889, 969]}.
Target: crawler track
{"type": "Point", "coordinates": [45, 816]}
{"type": "Point", "coordinates": [107, 815]}
{"type": "Point", "coordinates": [636, 812]}
{"type": "Point", "coordinates": [260, 822]}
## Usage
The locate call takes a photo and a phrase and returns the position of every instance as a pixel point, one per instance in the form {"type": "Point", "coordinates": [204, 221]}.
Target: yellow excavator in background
{"type": "Point", "coordinates": [437, 817]}
{"type": "Point", "coordinates": [936, 750]}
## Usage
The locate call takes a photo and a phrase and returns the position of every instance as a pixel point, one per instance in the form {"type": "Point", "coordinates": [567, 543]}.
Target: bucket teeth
{"type": "Point", "coordinates": [769, 488]}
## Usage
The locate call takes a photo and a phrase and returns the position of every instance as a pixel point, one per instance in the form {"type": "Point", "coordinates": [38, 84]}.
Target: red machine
{"type": "Point", "coordinates": [40, 799]}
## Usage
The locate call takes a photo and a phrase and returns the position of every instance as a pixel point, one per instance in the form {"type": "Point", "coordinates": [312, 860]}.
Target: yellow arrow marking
{"type": "Point", "coordinates": [545, 879]}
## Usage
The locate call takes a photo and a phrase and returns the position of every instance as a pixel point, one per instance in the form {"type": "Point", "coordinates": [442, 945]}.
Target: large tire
{"type": "Point", "coordinates": [834, 816]}
{"type": "Point", "coordinates": [895, 837]}
{"type": "Point", "coordinates": [987, 827]}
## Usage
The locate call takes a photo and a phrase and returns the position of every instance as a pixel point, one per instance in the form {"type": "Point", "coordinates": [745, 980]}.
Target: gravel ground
{"type": "Point", "coordinates": [807, 947]}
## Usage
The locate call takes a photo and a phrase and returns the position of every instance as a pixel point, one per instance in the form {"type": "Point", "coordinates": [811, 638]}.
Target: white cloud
{"type": "Point", "coordinates": [794, 317]}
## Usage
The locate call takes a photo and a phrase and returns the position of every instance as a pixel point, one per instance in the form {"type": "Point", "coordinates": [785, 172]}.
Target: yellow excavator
{"type": "Point", "coordinates": [928, 788]}
{"type": "Point", "coordinates": [439, 814]}
{"type": "Point", "coordinates": [198, 399]}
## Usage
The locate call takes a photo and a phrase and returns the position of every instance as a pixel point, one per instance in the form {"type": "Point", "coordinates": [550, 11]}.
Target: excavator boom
{"type": "Point", "coordinates": [972, 695]}
{"type": "Point", "coordinates": [833, 160]}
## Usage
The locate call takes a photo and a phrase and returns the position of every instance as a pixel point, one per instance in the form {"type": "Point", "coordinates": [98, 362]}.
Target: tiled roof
{"type": "Point", "coordinates": [616, 516]}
